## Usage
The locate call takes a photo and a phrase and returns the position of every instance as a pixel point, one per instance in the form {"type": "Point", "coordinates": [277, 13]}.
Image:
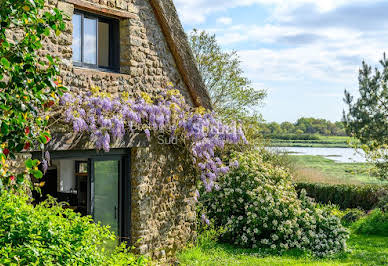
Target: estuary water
{"type": "Point", "coordinates": [340, 155]}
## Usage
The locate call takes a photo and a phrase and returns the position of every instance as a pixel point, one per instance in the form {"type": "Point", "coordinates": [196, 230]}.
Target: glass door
{"type": "Point", "coordinates": [105, 192]}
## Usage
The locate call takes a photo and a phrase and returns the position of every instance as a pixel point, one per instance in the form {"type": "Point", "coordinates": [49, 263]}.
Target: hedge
{"type": "Point", "coordinates": [293, 136]}
{"type": "Point", "coordinates": [365, 197]}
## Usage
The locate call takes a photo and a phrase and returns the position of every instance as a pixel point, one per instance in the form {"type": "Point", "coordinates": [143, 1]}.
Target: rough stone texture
{"type": "Point", "coordinates": [163, 208]}
{"type": "Point", "coordinates": [146, 62]}
{"type": "Point", "coordinates": [162, 187]}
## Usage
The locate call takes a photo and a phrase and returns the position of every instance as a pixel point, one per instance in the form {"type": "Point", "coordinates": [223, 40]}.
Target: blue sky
{"type": "Point", "coordinates": [303, 52]}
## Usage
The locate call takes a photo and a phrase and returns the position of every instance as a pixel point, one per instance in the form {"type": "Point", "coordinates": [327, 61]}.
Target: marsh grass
{"type": "Point", "coordinates": [309, 168]}
{"type": "Point", "coordinates": [322, 142]}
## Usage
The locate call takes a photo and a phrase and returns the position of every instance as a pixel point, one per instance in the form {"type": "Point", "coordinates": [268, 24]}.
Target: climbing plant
{"type": "Point", "coordinates": [28, 84]}
{"type": "Point", "coordinates": [105, 118]}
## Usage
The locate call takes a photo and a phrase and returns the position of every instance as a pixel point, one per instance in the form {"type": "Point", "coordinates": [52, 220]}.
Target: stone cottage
{"type": "Point", "coordinates": [141, 188]}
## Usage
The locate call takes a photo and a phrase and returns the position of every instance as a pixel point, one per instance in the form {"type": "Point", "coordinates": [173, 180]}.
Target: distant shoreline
{"type": "Point", "coordinates": [321, 142]}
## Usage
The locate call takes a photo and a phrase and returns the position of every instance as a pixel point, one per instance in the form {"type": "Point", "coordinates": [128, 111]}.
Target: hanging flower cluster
{"type": "Point", "coordinates": [106, 118]}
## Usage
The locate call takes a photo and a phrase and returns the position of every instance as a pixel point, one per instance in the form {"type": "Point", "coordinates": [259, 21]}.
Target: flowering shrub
{"type": "Point", "coordinates": [106, 118]}
{"type": "Point", "coordinates": [259, 206]}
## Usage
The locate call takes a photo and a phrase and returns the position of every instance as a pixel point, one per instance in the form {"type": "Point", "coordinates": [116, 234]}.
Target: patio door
{"type": "Point", "coordinates": [95, 183]}
{"type": "Point", "coordinates": [105, 192]}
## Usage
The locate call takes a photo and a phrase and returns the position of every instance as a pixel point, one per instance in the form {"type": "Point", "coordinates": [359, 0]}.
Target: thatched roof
{"type": "Point", "coordinates": [177, 40]}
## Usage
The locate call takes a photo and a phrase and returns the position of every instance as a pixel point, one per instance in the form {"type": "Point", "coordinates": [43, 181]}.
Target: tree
{"type": "Point", "coordinates": [367, 117]}
{"type": "Point", "coordinates": [232, 95]}
{"type": "Point", "coordinates": [287, 127]}
{"type": "Point", "coordinates": [27, 83]}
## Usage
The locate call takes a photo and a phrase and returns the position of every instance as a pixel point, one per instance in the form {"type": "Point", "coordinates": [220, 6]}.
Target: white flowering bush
{"type": "Point", "coordinates": [258, 206]}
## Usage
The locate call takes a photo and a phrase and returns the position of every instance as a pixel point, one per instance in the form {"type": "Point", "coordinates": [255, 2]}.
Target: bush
{"type": "Point", "coordinates": [375, 223]}
{"type": "Point", "coordinates": [365, 197]}
{"type": "Point", "coordinates": [351, 216]}
{"type": "Point", "coordinates": [383, 203]}
{"type": "Point", "coordinates": [48, 234]}
{"type": "Point", "coordinates": [258, 206]}
{"type": "Point", "coordinates": [293, 136]}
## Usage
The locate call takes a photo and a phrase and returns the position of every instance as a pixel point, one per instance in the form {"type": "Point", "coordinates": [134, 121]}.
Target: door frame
{"type": "Point", "coordinates": [124, 189]}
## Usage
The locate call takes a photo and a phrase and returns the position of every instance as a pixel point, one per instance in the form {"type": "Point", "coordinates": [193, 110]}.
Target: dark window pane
{"type": "Point", "coordinates": [76, 38]}
{"type": "Point", "coordinates": [90, 41]}
{"type": "Point", "coordinates": [103, 44]}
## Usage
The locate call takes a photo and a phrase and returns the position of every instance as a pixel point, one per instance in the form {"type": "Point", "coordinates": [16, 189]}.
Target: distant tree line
{"type": "Point", "coordinates": [305, 125]}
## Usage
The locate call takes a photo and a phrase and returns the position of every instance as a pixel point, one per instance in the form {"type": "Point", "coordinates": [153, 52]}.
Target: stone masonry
{"type": "Point", "coordinates": [162, 185]}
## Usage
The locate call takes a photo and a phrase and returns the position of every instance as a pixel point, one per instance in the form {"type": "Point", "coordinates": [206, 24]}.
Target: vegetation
{"type": "Point", "coordinates": [27, 83]}
{"type": "Point", "coordinates": [231, 93]}
{"type": "Point", "coordinates": [351, 215]}
{"type": "Point", "coordinates": [367, 117]}
{"type": "Point", "coordinates": [258, 206]}
{"type": "Point", "coordinates": [307, 140]}
{"type": "Point", "coordinates": [48, 234]}
{"type": "Point", "coordinates": [317, 169]}
{"type": "Point", "coordinates": [306, 126]}
{"type": "Point", "coordinates": [199, 130]}
{"type": "Point", "coordinates": [363, 250]}
{"type": "Point", "coordinates": [376, 223]}
{"type": "Point", "coordinates": [345, 196]}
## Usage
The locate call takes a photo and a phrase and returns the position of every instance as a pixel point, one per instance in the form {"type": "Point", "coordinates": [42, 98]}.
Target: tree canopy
{"type": "Point", "coordinates": [367, 116]}
{"type": "Point", "coordinates": [305, 125]}
{"type": "Point", "coordinates": [230, 91]}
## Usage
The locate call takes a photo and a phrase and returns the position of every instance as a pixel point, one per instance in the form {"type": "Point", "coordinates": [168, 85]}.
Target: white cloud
{"type": "Point", "coordinates": [224, 20]}
{"type": "Point", "coordinates": [196, 11]}
{"type": "Point", "coordinates": [288, 53]}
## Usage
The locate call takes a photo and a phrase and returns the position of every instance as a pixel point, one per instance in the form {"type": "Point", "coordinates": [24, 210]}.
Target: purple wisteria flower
{"type": "Point", "coordinates": [109, 118]}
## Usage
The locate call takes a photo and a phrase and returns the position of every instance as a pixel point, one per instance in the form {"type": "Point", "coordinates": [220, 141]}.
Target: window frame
{"type": "Point", "coordinates": [114, 42]}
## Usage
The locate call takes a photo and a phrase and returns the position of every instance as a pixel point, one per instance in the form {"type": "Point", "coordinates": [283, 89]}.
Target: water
{"type": "Point", "coordinates": [340, 155]}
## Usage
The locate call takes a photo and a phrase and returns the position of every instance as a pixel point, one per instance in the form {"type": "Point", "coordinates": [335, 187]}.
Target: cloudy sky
{"type": "Point", "coordinates": [304, 52]}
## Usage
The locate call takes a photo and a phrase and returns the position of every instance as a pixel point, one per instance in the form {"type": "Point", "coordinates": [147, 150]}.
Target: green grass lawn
{"type": "Point", "coordinates": [363, 250]}
{"type": "Point", "coordinates": [319, 169]}
{"type": "Point", "coordinates": [323, 142]}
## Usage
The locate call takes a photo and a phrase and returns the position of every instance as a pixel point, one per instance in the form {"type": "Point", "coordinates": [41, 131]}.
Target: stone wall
{"type": "Point", "coordinates": [163, 209]}
{"type": "Point", "coordinates": [146, 62]}
{"type": "Point", "coordinates": [162, 206]}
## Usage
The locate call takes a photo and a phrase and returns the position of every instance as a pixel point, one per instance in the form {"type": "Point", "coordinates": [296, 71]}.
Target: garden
{"type": "Point", "coordinates": [249, 211]}
{"type": "Point", "coordinates": [259, 217]}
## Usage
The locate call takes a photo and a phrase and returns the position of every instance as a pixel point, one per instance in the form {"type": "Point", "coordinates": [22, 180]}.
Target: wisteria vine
{"type": "Point", "coordinates": [106, 118]}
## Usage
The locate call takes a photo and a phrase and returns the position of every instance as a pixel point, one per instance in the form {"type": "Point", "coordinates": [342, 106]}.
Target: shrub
{"type": "Point", "coordinates": [48, 234]}
{"type": "Point", "coordinates": [375, 223]}
{"type": "Point", "coordinates": [294, 136]}
{"type": "Point", "coordinates": [258, 206]}
{"type": "Point", "coordinates": [351, 216]}
{"type": "Point", "coordinates": [365, 197]}
{"type": "Point", "coordinates": [383, 203]}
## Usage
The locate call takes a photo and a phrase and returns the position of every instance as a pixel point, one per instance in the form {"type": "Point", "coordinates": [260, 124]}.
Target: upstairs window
{"type": "Point", "coordinates": [95, 41]}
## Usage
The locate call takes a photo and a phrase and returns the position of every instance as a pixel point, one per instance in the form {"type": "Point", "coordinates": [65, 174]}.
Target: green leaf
{"type": "Point", "coordinates": [20, 179]}
{"type": "Point", "coordinates": [37, 174]}
{"type": "Point", "coordinates": [4, 129]}
{"type": "Point", "coordinates": [42, 140]}
{"type": "Point", "coordinates": [19, 147]}
{"type": "Point", "coordinates": [5, 44]}
{"type": "Point", "coordinates": [46, 32]}
{"type": "Point", "coordinates": [5, 62]}
{"type": "Point", "coordinates": [29, 163]}
{"type": "Point", "coordinates": [35, 163]}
